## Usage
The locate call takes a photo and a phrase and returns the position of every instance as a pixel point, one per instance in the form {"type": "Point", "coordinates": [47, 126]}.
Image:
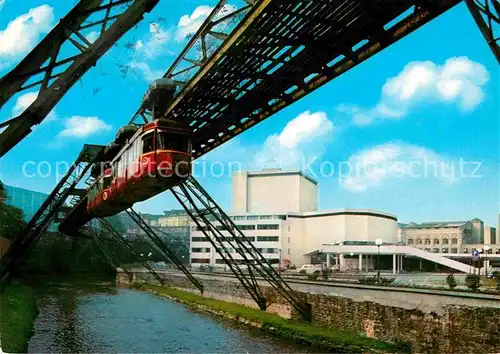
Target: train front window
{"type": "Point", "coordinates": [147, 143]}
{"type": "Point", "coordinates": [173, 141]}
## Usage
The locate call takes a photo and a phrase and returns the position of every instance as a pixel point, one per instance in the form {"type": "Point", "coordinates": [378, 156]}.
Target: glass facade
{"type": "Point", "coordinates": [28, 201]}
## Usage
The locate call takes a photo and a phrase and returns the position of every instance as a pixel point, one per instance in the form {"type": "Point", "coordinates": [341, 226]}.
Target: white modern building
{"type": "Point", "coordinates": [278, 211]}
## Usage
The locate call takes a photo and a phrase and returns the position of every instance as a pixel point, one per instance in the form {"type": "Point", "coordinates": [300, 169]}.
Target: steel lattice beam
{"type": "Point", "coordinates": [486, 13]}
{"type": "Point", "coordinates": [200, 47]}
{"type": "Point", "coordinates": [126, 245]}
{"type": "Point", "coordinates": [204, 211]}
{"type": "Point", "coordinates": [52, 87]}
{"type": "Point", "coordinates": [162, 247]}
{"type": "Point", "coordinates": [47, 212]}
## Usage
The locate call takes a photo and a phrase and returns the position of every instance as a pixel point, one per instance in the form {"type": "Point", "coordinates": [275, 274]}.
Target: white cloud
{"type": "Point", "coordinates": [372, 167]}
{"type": "Point", "coordinates": [92, 36]}
{"type": "Point", "coordinates": [22, 33]}
{"type": "Point", "coordinates": [82, 127]}
{"type": "Point", "coordinates": [146, 72]}
{"type": "Point", "coordinates": [24, 101]}
{"type": "Point", "coordinates": [155, 43]}
{"type": "Point", "coordinates": [302, 140]}
{"type": "Point", "coordinates": [460, 81]}
{"type": "Point", "coordinates": [189, 24]}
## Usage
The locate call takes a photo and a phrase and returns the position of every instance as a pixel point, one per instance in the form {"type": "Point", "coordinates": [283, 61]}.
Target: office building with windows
{"type": "Point", "coordinates": [28, 201]}
{"type": "Point", "coordinates": [278, 211]}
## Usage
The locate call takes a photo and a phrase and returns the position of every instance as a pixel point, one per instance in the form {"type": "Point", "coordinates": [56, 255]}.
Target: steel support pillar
{"type": "Point", "coordinates": [126, 245]}
{"type": "Point", "coordinates": [42, 219]}
{"type": "Point", "coordinates": [486, 13]}
{"type": "Point", "coordinates": [162, 247]}
{"type": "Point", "coordinates": [247, 261]}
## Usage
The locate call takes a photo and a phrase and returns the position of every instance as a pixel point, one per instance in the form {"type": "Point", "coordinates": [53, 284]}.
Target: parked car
{"type": "Point", "coordinates": [309, 268]}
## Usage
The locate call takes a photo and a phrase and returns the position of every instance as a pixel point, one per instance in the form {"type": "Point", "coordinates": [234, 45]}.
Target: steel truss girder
{"type": "Point", "coordinates": [161, 247]}
{"type": "Point", "coordinates": [200, 38]}
{"type": "Point", "coordinates": [113, 262]}
{"type": "Point", "coordinates": [39, 223]}
{"type": "Point", "coordinates": [53, 87]}
{"type": "Point", "coordinates": [126, 245]}
{"type": "Point", "coordinates": [329, 31]}
{"type": "Point", "coordinates": [204, 211]}
{"type": "Point", "coordinates": [486, 13]}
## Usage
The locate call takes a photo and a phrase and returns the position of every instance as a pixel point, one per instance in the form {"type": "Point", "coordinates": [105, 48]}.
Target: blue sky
{"type": "Point", "coordinates": [429, 100]}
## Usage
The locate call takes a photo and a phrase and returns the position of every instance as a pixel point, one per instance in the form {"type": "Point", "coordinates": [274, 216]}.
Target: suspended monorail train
{"type": "Point", "coordinates": [142, 161]}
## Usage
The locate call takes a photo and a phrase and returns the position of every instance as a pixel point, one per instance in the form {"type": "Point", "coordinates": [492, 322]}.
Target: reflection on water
{"type": "Point", "coordinates": [105, 319]}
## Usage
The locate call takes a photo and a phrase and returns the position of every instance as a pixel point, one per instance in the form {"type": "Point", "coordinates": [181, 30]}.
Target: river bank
{"type": "Point", "coordinates": [300, 332]}
{"type": "Point", "coordinates": [18, 313]}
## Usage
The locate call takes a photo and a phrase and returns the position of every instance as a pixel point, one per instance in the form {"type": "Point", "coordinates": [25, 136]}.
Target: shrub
{"type": "Point", "coordinates": [386, 281]}
{"type": "Point", "coordinates": [325, 273]}
{"type": "Point", "coordinates": [451, 281]}
{"type": "Point", "coordinates": [472, 281]}
{"type": "Point", "coordinates": [202, 268]}
{"type": "Point", "coordinates": [314, 275]}
{"type": "Point", "coordinates": [368, 280]}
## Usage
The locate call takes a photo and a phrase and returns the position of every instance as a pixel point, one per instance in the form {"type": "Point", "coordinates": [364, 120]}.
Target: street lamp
{"type": "Point", "coordinates": [378, 242]}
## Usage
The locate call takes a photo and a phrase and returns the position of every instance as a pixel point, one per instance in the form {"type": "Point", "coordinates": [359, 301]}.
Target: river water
{"type": "Point", "coordinates": [99, 317]}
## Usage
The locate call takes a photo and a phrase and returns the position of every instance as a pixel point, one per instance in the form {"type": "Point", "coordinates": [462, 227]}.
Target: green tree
{"type": "Point", "coordinates": [11, 220]}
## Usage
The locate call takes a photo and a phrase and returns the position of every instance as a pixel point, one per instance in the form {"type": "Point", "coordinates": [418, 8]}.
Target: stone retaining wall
{"type": "Point", "coordinates": [455, 329]}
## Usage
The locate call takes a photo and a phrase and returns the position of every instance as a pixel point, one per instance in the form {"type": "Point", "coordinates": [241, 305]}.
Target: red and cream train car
{"type": "Point", "coordinates": [150, 160]}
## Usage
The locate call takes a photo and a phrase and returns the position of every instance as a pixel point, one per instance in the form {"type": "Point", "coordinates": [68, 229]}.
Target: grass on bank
{"type": "Point", "coordinates": [18, 312]}
{"type": "Point", "coordinates": [300, 332]}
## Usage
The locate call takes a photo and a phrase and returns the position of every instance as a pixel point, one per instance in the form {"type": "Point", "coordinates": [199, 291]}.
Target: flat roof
{"type": "Point", "coordinates": [268, 172]}
{"type": "Point", "coordinates": [332, 212]}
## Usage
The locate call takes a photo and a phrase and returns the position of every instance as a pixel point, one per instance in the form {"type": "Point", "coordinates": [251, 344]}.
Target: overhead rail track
{"type": "Point", "coordinates": [163, 248]}
{"type": "Point", "coordinates": [213, 221]}
{"type": "Point", "coordinates": [53, 69]}
{"type": "Point", "coordinates": [47, 212]}
{"type": "Point", "coordinates": [282, 51]}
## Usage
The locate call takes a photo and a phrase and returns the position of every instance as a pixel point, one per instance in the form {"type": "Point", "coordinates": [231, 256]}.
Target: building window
{"type": "Point", "coordinates": [265, 217]}
{"type": "Point", "coordinates": [454, 241]}
{"type": "Point", "coordinates": [246, 227]}
{"type": "Point", "coordinates": [198, 250]}
{"type": "Point", "coordinates": [410, 241]}
{"type": "Point", "coordinates": [201, 260]}
{"type": "Point", "coordinates": [250, 238]}
{"type": "Point", "coordinates": [454, 250]}
{"type": "Point", "coordinates": [419, 241]}
{"type": "Point", "coordinates": [288, 228]}
{"type": "Point", "coordinates": [239, 218]}
{"type": "Point", "coordinates": [445, 250]}
{"type": "Point", "coordinates": [219, 261]}
{"type": "Point", "coordinates": [427, 241]}
{"type": "Point", "coordinates": [435, 250]}
{"type": "Point", "coordinates": [445, 241]}
{"type": "Point", "coordinates": [253, 217]}
{"type": "Point", "coordinates": [268, 238]}
{"type": "Point", "coordinates": [436, 241]}
{"type": "Point", "coordinates": [289, 251]}
{"type": "Point", "coordinates": [268, 227]}
{"type": "Point", "coordinates": [289, 240]}
{"type": "Point", "coordinates": [199, 239]}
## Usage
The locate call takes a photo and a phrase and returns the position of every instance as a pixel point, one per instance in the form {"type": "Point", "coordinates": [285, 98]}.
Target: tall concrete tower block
{"type": "Point", "coordinates": [274, 191]}
{"type": "Point", "coordinates": [477, 230]}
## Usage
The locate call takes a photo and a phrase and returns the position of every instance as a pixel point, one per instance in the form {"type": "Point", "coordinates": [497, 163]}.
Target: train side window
{"type": "Point", "coordinates": [147, 143]}
{"type": "Point", "coordinates": [106, 182]}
